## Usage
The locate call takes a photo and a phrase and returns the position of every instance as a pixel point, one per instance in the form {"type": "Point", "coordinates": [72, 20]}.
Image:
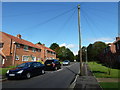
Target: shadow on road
{"type": "Point", "coordinates": [72, 71]}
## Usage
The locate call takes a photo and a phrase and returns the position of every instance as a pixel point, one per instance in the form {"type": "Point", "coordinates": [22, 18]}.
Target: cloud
{"type": "Point", "coordinates": [68, 45]}
{"type": "Point", "coordinates": [72, 47]}
{"type": "Point", "coordinates": [63, 45]}
{"type": "Point", "coordinates": [104, 39]}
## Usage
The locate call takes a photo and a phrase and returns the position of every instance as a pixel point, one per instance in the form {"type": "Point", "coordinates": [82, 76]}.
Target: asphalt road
{"type": "Point", "coordinates": [61, 78]}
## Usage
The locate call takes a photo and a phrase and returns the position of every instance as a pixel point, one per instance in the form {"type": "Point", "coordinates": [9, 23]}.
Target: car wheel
{"type": "Point", "coordinates": [43, 71]}
{"type": "Point", "coordinates": [8, 78]}
{"type": "Point", "coordinates": [60, 67]}
{"type": "Point", "coordinates": [56, 68]}
{"type": "Point", "coordinates": [28, 75]}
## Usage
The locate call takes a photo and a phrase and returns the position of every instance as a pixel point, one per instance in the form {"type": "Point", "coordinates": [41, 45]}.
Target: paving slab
{"type": "Point", "coordinates": [87, 81]}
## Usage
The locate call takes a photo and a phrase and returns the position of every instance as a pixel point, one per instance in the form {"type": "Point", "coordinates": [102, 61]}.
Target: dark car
{"type": "Point", "coordinates": [66, 62]}
{"type": "Point", "coordinates": [26, 70]}
{"type": "Point", "coordinates": [52, 64]}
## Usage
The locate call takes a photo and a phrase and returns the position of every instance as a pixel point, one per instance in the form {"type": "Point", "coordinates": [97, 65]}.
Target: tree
{"type": "Point", "coordinates": [54, 46]}
{"type": "Point", "coordinates": [39, 43]}
{"type": "Point", "coordinates": [62, 53]}
{"type": "Point", "coordinates": [94, 50]}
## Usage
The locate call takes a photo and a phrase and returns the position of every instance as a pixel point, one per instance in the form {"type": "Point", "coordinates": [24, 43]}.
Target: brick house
{"type": "Point", "coordinates": [47, 52]}
{"type": "Point", "coordinates": [111, 54]}
{"type": "Point", "coordinates": [117, 47]}
{"type": "Point", "coordinates": [15, 50]}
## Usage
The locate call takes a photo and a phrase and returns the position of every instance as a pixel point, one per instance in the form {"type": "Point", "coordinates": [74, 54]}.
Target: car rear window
{"type": "Point", "coordinates": [48, 61]}
{"type": "Point", "coordinates": [66, 61]}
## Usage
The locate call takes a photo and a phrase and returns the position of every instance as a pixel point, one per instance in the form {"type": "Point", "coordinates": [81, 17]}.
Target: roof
{"type": "Point", "coordinates": [49, 49]}
{"type": "Point", "coordinates": [21, 41]}
{"type": "Point", "coordinates": [116, 41]}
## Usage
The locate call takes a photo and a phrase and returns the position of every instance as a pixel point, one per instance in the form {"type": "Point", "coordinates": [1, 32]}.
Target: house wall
{"type": "Point", "coordinates": [10, 51]}
{"type": "Point", "coordinates": [7, 45]}
{"type": "Point", "coordinates": [7, 50]}
{"type": "Point", "coordinates": [21, 52]}
{"type": "Point", "coordinates": [44, 54]}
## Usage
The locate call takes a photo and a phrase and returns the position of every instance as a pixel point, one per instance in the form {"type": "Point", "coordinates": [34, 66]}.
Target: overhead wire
{"type": "Point", "coordinates": [92, 22]}
{"type": "Point", "coordinates": [65, 23]}
{"type": "Point", "coordinates": [87, 22]}
{"type": "Point", "coordinates": [51, 19]}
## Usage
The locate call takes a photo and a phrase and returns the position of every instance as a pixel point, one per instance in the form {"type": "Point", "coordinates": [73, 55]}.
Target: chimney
{"type": "Point", "coordinates": [19, 36]}
{"type": "Point", "coordinates": [43, 44]}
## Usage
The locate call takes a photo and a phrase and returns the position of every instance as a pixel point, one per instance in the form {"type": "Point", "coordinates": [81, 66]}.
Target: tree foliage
{"type": "Point", "coordinates": [39, 43]}
{"type": "Point", "coordinates": [62, 53]}
{"type": "Point", "coordinates": [95, 49]}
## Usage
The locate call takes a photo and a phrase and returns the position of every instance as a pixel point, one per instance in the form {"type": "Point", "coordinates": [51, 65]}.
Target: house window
{"type": "Point", "coordinates": [39, 50]}
{"type": "Point", "coordinates": [118, 46]}
{"type": "Point", "coordinates": [3, 61]}
{"type": "Point", "coordinates": [25, 58]}
{"type": "Point", "coordinates": [33, 50]}
{"type": "Point", "coordinates": [16, 57]}
{"type": "Point", "coordinates": [1, 45]}
{"type": "Point", "coordinates": [26, 48]}
{"type": "Point", "coordinates": [33, 58]}
{"type": "Point", "coordinates": [18, 45]}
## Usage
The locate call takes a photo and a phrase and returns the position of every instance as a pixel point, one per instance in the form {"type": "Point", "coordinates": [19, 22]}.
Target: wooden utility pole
{"type": "Point", "coordinates": [80, 49]}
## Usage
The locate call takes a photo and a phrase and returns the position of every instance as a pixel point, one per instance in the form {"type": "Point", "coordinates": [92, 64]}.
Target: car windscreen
{"type": "Point", "coordinates": [23, 65]}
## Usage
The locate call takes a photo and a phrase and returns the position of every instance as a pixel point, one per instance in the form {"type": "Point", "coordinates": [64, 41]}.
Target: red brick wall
{"type": "Point", "coordinates": [6, 46]}
{"type": "Point", "coordinates": [21, 52]}
{"type": "Point", "coordinates": [10, 51]}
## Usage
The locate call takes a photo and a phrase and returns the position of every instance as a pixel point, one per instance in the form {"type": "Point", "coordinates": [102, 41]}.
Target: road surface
{"type": "Point", "coordinates": [61, 78]}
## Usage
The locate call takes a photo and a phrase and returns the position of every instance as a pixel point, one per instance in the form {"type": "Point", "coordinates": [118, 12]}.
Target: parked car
{"type": "Point", "coordinates": [66, 62]}
{"type": "Point", "coordinates": [52, 64]}
{"type": "Point", "coordinates": [26, 70]}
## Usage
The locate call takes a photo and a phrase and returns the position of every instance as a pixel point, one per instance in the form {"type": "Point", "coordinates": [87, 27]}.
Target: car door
{"type": "Point", "coordinates": [39, 67]}
{"type": "Point", "coordinates": [35, 68]}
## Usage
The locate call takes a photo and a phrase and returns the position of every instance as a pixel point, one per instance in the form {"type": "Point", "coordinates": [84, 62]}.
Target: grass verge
{"type": "Point", "coordinates": [101, 71]}
{"type": "Point", "coordinates": [110, 85]}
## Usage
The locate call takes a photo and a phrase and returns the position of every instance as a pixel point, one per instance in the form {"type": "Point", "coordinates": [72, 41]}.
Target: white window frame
{"type": "Point", "coordinates": [23, 57]}
{"type": "Point", "coordinates": [25, 46]}
{"type": "Point", "coordinates": [33, 49]}
{"type": "Point", "coordinates": [3, 61]}
{"type": "Point", "coordinates": [34, 58]}
{"type": "Point", "coordinates": [18, 45]}
{"type": "Point", "coordinates": [39, 50]}
{"type": "Point", "coordinates": [16, 57]}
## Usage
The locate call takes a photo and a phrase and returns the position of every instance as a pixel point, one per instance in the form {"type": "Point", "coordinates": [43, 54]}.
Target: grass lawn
{"type": "Point", "coordinates": [108, 85]}
{"type": "Point", "coordinates": [61, 62]}
{"type": "Point", "coordinates": [4, 70]}
{"type": "Point", "coordinates": [102, 71]}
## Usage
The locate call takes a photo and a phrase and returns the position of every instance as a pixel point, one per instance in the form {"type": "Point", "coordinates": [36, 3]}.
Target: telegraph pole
{"type": "Point", "coordinates": [86, 56]}
{"type": "Point", "coordinates": [80, 49]}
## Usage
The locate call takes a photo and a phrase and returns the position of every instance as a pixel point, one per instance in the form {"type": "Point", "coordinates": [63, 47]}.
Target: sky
{"type": "Point", "coordinates": [57, 22]}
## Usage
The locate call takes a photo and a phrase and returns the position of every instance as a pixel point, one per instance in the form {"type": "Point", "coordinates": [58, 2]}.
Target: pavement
{"type": "Point", "coordinates": [87, 81]}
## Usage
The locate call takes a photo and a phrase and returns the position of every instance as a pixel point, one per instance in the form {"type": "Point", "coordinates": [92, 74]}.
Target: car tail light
{"type": "Point", "coordinates": [53, 64]}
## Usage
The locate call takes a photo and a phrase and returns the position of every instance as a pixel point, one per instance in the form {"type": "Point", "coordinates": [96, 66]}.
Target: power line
{"type": "Point", "coordinates": [44, 22]}
{"type": "Point", "coordinates": [100, 31]}
{"type": "Point", "coordinates": [32, 13]}
{"type": "Point", "coordinates": [87, 21]}
{"type": "Point", "coordinates": [65, 23]}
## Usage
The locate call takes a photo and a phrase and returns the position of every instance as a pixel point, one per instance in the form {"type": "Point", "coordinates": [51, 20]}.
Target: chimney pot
{"type": "Point", "coordinates": [117, 38]}
{"type": "Point", "coordinates": [19, 36]}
